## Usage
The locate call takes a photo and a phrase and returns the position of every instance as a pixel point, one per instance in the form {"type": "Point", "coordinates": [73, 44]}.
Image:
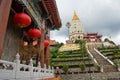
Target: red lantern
{"type": "Point", "coordinates": [46, 43]}
{"type": "Point", "coordinates": [22, 19]}
{"type": "Point", "coordinates": [34, 33]}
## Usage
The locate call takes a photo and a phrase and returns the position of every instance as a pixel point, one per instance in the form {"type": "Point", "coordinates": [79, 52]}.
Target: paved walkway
{"type": "Point", "coordinates": [58, 78]}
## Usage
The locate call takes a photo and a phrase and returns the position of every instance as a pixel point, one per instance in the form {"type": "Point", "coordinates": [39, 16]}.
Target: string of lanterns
{"type": "Point", "coordinates": [23, 20]}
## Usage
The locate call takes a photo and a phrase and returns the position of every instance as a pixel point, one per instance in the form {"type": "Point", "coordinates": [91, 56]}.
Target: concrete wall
{"type": "Point", "coordinates": [11, 40]}
{"type": "Point", "coordinates": [92, 76]}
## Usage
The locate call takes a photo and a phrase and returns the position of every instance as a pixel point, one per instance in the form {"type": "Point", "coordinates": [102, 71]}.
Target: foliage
{"type": "Point", "coordinates": [67, 60]}
{"type": "Point", "coordinates": [54, 55]}
{"type": "Point", "coordinates": [107, 40]}
{"type": "Point", "coordinates": [108, 48]}
{"type": "Point", "coordinates": [82, 66]}
{"type": "Point", "coordinates": [75, 65]}
{"type": "Point", "coordinates": [68, 56]}
{"type": "Point", "coordinates": [65, 68]}
{"type": "Point", "coordinates": [55, 49]}
{"type": "Point", "coordinates": [82, 45]}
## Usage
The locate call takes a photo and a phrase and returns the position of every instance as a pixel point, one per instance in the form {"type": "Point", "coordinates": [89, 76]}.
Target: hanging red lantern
{"type": "Point", "coordinates": [34, 33]}
{"type": "Point", "coordinates": [46, 43]}
{"type": "Point", "coordinates": [22, 19]}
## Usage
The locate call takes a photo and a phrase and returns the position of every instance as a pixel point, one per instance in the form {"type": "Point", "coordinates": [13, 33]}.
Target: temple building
{"type": "Point", "coordinates": [25, 29]}
{"type": "Point", "coordinates": [92, 37]}
{"type": "Point", "coordinates": [77, 32]}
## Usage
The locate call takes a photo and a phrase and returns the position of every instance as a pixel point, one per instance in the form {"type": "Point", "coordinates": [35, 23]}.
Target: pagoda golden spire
{"type": "Point", "coordinates": [75, 17]}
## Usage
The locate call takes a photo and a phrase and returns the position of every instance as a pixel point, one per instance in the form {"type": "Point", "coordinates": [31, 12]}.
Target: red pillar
{"type": "Point", "coordinates": [47, 52]}
{"type": "Point", "coordinates": [42, 48]}
{"type": "Point", "coordinates": [5, 6]}
{"type": "Point", "coordinates": [48, 56]}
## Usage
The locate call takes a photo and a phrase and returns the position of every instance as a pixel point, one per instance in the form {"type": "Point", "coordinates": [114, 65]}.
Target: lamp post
{"type": "Point", "coordinates": [68, 25]}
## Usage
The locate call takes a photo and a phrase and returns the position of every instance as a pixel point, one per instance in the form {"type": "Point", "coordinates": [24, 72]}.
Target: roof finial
{"type": "Point", "coordinates": [75, 17]}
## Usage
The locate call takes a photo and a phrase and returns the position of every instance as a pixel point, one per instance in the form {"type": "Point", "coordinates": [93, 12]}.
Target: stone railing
{"type": "Point", "coordinates": [101, 68]}
{"type": "Point", "coordinates": [15, 70]}
{"type": "Point", "coordinates": [92, 57]}
{"type": "Point", "coordinates": [106, 58]}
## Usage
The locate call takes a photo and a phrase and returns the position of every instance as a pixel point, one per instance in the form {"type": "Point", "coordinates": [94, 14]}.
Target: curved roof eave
{"type": "Point", "coordinates": [51, 8]}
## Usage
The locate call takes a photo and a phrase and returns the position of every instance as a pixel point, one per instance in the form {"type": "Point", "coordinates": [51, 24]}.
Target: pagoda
{"type": "Point", "coordinates": [77, 32]}
{"type": "Point", "coordinates": [76, 29]}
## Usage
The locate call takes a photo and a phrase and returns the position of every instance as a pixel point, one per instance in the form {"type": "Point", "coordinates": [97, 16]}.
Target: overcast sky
{"type": "Point", "coordinates": [102, 16]}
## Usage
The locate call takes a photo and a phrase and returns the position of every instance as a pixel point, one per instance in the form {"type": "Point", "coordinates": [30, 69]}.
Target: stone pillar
{"type": "Point", "coordinates": [118, 67]}
{"type": "Point", "coordinates": [17, 61]}
{"type": "Point", "coordinates": [31, 68]}
{"type": "Point", "coordinates": [5, 6]}
{"type": "Point", "coordinates": [101, 68]}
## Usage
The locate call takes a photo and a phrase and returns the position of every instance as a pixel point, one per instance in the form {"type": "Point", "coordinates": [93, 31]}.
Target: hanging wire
{"type": "Point", "coordinates": [23, 9]}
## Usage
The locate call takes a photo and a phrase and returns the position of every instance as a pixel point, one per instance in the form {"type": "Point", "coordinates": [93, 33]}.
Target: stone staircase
{"type": "Point", "coordinates": [107, 67]}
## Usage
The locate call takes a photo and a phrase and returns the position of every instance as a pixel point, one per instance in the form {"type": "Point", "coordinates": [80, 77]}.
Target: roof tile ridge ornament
{"type": "Point", "coordinates": [75, 17]}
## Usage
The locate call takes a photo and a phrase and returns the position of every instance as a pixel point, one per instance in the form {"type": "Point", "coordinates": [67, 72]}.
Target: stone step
{"type": "Point", "coordinates": [107, 67]}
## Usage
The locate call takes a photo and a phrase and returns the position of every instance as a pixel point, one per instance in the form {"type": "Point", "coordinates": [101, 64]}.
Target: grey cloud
{"type": "Point", "coordinates": [101, 16]}
{"type": "Point", "coordinates": [62, 32]}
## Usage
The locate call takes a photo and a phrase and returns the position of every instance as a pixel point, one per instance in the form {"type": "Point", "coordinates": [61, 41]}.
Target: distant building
{"type": "Point", "coordinates": [77, 32]}
{"type": "Point", "coordinates": [92, 37]}
{"type": "Point", "coordinates": [53, 42]}
{"type": "Point", "coordinates": [69, 42]}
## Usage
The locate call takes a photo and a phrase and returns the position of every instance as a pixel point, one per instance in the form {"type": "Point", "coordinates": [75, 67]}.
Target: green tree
{"type": "Point", "coordinates": [55, 49]}
{"type": "Point", "coordinates": [82, 44]}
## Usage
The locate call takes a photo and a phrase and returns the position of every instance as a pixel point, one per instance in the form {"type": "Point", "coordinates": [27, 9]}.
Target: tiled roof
{"type": "Point", "coordinates": [53, 42]}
